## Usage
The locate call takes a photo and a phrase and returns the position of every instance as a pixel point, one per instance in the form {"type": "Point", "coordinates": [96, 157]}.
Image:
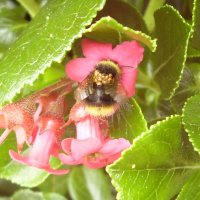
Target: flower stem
{"type": "Point", "coordinates": [30, 6]}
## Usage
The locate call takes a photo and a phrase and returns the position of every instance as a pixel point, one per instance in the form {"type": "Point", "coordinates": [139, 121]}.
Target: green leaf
{"type": "Point", "coordinates": [27, 194]}
{"type": "Point", "coordinates": [191, 120]}
{"type": "Point", "coordinates": [138, 4]}
{"type": "Point", "coordinates": [90, 184]}
{"type": "Point", "coordinates": [157, 165]}
{"type": "Point", "coordinates": [57, 184]}
{"type": "Point", "coordinates": [12, 24]}
{"type": "Point", "coordinates": [125, 13]}
{"type": "Point", "coordinates": [8, 144]}
{"type": "Point", "coordinates": [173, 34]}
{"type": "Point", "coordinates": [50, 76]}
{"type": "Point", "coordinates": [153, 5]}
{"type": "Point", "coordinates": [192, 52]}
{"type": "Point", "coordinates": [186, 89]}
{"type": "Point", "coordinates": [195, 41]}
{"type": "Point", "coordinates": [46, 39]}
{"type": "Point", "coordinates": [30, 195]}
{"type": "Point", "coordinates": [109, 30]}
{"type": "Point", "coordinates": [24, 175]}
{"type": "Point", "coordinates": [129, 122]}
{"type": "Point", "coordinates": [191, 188]}
{"type": "Point", "coordinates": [53, 196]}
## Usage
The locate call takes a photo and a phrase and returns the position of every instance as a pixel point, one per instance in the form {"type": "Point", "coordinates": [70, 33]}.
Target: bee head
{"type": "Point", "coordinates": [105, 73]}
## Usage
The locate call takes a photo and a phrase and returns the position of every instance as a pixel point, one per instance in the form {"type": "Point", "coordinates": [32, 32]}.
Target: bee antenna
{"type": "Point", "coordinates": [129, 67]}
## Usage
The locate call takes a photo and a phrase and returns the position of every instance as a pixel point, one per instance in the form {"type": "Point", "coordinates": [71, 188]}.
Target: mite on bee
{"type": "Point", "coordinates": [101, 91]}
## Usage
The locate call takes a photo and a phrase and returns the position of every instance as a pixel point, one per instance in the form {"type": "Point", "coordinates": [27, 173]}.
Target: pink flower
{"type": "Point", "coordinates": [92, 147]}
{"type": "Point", "coordinates": [46, 134]}
{"type": "Point", "coordinates": [18, 117]}
{"type": "Point", "coordinates": [126, 55]}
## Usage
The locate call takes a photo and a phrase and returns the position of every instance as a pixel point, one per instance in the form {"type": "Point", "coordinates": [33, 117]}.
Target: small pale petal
{"type": "Point", "coordinates": [79, 68]}
{"type": "Point", "coordinates": [4, 135]}
{"type": "Point", "coordinates": [21, 137]}
{"type": "Point", "coordinates": [96, 50]}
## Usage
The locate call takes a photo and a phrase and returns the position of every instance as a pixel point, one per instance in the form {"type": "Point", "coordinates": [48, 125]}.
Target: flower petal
{"type": "Point", "coordinates": [97, 163]}
{"type": "Point", "coordinates": [69, 160]}
{"type": "Point", "coordinates": [115, 146]}
{"type": "Point", "coordinates": [128, 80]}
{"type": "Point", "coordinates": [79, 68]}
{"type": "Point", "coordinates": [128, 54]}
{"type": "Point", "coordinates": [102, 162]}
{"type": "Point", "coordinates": [31, 162]}
{"type": "Point", "coordinates": [4, 135]}
{"type": "Point", "coordinates": [96, 50]}
{"type": "Point", "coordinates": [43, 146]}
{"type": "Point", "coordinates": [83, 148]}
{"type": "Point", "coordinates": [21, 137]}
{"type": "Point", "coordinates": [66, 145]}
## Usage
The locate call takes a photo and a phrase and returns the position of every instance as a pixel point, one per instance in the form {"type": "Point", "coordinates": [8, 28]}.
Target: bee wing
{"type": "Point", "coordinates": [83, 90]}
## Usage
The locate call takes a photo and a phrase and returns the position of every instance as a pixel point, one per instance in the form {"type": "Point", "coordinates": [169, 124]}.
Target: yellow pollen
{"type": "Point", "coordinates": [100, 78]}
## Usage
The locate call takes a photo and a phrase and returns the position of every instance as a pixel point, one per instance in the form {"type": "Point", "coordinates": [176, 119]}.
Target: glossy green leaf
{"type": "Point", "coordinates": [50, 76]}
{"type": "Point", "coordinates": [109, 30]}
{"type": "Point", "coordinates": [153, 5]}
{"type": "Point", "coordinates": [173, 34]}
{"type": "Point", "coordinates": [191, 120]}
{"type": "Point", "coordinates": [129, 122]}
{"type": "Point", "coordinates": [191, 188]}
{"type": "Point", "coordinates": [90, 184]}
{"type": "Point", "coordinates": [46, 39]}
{"type": "Point", "coordinates": [24, 175]}
{"type": "Point", "coordinates": [157, 165]}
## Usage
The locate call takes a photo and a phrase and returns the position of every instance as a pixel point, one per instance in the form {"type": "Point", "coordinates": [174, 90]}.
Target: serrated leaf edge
{"type": "Point", "coordinates": [186, 48]}
{"type": "Point", "coordinates": [58, 59]}
{"type": "Point", "coordinates": [184, 124]}
{"type": "Point", "coordinates": [141, 113]}
{"type": "Point", "coordinates": [117, 187]}
{"type": "Point", "coordinates": [108, 19]}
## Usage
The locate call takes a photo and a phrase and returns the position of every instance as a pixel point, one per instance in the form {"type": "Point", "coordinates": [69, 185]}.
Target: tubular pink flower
{"type": "Point", "coordinates": [45, 144]}
{"type": "Point", "coordinates": [46, 134]}
{"type": "Point", "coordinates": [127, 55]}
{"type": "Point", "coordinates": [92, 147]}
{"type": "Point", "coordinates": [20, 116]}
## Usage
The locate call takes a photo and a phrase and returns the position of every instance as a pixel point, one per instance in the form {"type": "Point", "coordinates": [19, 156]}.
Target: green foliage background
{"type": "Point", "coordinates": [38, 37]}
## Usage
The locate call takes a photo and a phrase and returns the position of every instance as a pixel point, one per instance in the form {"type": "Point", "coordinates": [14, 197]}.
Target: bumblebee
{"type": "Point", "coordinates": [101, 91]}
